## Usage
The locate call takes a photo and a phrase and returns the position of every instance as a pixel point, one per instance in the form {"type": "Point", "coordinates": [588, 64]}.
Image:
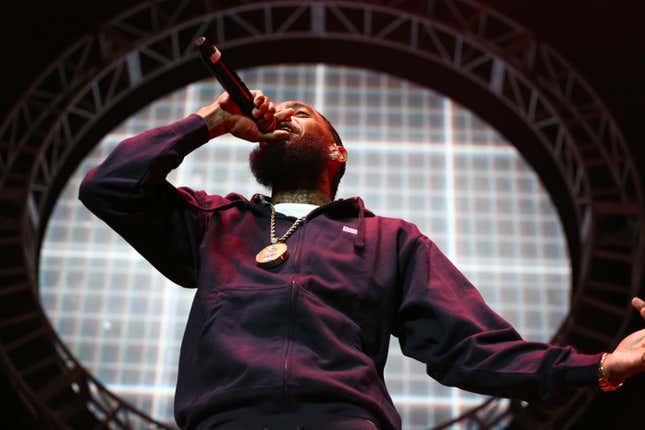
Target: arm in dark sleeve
{"type": "Point", "coordinates": [130, 193]}
{"type": "Point", "coordinates": [444, 322]}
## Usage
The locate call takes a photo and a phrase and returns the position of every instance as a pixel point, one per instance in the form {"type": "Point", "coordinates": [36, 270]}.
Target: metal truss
{"type": "Point", "coordinates": [61, 116]}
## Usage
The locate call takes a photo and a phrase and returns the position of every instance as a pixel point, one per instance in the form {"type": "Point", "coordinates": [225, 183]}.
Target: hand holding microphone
{"type": "Point", "coordinates": [255, 107]}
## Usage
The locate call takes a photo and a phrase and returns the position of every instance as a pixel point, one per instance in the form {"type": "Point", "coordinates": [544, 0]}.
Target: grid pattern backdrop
{"type": "Point", "coordinates": [412, 154]}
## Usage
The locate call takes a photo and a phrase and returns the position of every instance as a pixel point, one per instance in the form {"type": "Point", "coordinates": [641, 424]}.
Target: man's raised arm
{"type": "Point", "coordinates": [130, 193]}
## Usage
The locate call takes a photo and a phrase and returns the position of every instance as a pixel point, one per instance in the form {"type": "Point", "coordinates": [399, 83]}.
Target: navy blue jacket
{"type": "Point", "coordinates": [316, 329]}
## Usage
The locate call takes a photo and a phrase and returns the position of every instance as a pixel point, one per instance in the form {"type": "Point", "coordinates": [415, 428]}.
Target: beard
{"type": "Point", "coordinates": [289, 166]}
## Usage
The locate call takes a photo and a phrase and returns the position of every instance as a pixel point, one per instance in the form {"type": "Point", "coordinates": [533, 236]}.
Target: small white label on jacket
{"type": "Point", "coordinates": [350, 230]}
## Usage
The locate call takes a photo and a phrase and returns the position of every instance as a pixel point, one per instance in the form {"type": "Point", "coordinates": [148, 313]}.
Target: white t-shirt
{"type": "Point", "coordinates": [294, 209]}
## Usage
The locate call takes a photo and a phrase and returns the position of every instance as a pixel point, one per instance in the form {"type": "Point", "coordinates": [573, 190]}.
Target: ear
{"type": "Point", "coordinates": [338, 153]}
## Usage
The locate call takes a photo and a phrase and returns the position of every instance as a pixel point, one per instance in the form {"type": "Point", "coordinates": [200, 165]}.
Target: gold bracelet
{"type": "Point", "coordinates": [604, 383]}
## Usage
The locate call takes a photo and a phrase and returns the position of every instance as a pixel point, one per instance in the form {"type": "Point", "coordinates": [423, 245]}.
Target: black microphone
{"type": "Point", "coordinates": [226, 76]}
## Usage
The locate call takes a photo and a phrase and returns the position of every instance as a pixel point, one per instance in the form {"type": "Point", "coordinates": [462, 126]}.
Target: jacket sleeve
{"type": "Point", "coordinates": [130, 193]}
{"type": "Point", "coordinates": [444, 322]}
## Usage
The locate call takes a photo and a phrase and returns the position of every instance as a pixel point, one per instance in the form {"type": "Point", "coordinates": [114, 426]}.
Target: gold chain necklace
{"type": "Point", "coordinates": [275, 254]}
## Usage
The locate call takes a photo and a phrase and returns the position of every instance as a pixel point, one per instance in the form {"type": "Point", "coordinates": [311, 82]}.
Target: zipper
{"type": "Point", "coordinates": [300, 237]}
{"type": "Point", "coordinates": [285, 361]}
{"type": "Point", "coordinates": [290, 312]}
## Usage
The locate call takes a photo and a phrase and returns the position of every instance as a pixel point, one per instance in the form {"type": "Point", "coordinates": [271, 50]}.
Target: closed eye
{"type": "Point", "coordinates": [302, 113]}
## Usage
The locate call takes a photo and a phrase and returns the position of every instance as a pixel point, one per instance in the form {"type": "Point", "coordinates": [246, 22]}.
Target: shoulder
{"type": "Point", "coordinates": [399, 235]}
{"type": "Point", "coordinates": [393, 224]}
{"type": "Point", "coordinates": [200, 199]}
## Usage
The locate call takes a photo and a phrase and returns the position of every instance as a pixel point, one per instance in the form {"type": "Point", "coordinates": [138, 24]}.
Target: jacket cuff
{"type": "Point", "coordinates": [585, 372]}
{"type": "Point", "coordinates": [192, 132]}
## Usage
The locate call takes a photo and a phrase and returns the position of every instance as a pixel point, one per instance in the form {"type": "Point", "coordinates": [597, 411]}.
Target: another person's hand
{"type": "Point", "coordinates": [628, 358]}
{"type": "Point", "coordinates": [224, 116]}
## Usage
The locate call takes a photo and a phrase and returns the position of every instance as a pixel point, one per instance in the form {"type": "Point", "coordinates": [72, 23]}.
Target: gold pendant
{"type": "Point", "coordinates": [272, 255]}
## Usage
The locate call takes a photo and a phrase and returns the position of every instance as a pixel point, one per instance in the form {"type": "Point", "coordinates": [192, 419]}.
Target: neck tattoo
{"type": "Point", "coordinates": [301, 196]}
{"type": "Point", "coordinates": [276, 253]}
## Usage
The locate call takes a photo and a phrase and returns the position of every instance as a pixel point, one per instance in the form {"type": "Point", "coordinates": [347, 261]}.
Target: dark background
{"type": "Point", "coordinates": [603, 39]}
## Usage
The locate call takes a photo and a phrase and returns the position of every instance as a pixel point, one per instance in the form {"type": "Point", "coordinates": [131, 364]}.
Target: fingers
{"type": "Point", "coordinates": [275, 136]}
{"type": "Point", "coordinates": [262, 106]}
{"type": "Point", "coordinates": [284, 114]}
{"type": "Point", "coordinates": [639, 305]}
{"type": "Point", "coordinates": [263, 112]}
{"type": "Point", "coordinates": [257, 94]}
{"type": "Point", "coordinates": [265, 117]}
{"type": "Point", "coordinates": [267, 121]}
{"type": "Point", "coordinates": [260, 101]}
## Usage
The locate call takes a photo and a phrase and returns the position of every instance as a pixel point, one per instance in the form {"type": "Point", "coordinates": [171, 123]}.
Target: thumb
{"type": "Point", "coordinates": [227, 103]}
{"type": "Point", "coordinates": [639, 305]}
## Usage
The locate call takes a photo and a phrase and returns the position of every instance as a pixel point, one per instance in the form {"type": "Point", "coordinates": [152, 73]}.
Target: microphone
{"type": "Point", "coordinates": [227, 77]}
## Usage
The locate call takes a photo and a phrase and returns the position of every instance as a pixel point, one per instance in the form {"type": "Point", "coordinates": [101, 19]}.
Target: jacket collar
{"type": "Point", "coordinates": [350, 207]}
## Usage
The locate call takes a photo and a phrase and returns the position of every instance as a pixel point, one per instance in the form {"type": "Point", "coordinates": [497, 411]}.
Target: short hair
{"type": "Point", "coordinates": [341, 171]}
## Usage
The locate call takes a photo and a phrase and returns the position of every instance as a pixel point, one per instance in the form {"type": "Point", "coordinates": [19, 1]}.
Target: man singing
{"type": "Point", "coordinates": [298, 293]}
